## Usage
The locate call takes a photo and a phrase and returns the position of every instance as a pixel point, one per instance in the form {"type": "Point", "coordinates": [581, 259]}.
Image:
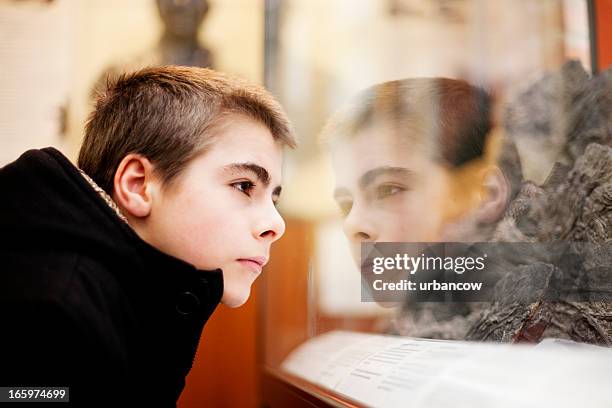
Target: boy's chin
{"type": "Point", "coordinates": [236, 297]}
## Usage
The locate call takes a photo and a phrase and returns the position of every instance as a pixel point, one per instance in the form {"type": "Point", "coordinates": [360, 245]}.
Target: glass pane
{"type": "Point", "coordinates": [436, 122]}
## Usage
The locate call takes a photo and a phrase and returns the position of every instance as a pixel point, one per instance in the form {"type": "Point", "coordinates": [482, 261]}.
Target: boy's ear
{"type": "Point", "coordinates": [494, 197]}
{"type": "Point", "coordinates": [133, 185]}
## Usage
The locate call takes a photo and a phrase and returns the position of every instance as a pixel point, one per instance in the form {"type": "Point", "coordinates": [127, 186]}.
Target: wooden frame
{"type": "Point", "coordinates": [284, 390]}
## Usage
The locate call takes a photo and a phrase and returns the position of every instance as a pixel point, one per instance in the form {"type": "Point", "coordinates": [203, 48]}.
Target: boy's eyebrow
{"type": "Point", "coordinates": [261, 173]}
{"type": "Point", "coordinates": [340, 192]}
{"type": "Point", "coordinates": [370, 176]}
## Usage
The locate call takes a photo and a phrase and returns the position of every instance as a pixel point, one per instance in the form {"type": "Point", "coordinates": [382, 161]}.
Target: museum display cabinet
{"type": "Point", "coordinates": [322, 340]}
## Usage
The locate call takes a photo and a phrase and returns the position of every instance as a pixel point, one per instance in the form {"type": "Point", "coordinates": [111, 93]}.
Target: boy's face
{"type": "Point", "coordinates": [388, 188]}
{"type": "Point", "coordinates": [221, 213]}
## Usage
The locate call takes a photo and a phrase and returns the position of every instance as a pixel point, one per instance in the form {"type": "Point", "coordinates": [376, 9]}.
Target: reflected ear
{"type": "Point", "coordinates": [133, 185]}
{"type": "Point", "coordinates": [494, 197]}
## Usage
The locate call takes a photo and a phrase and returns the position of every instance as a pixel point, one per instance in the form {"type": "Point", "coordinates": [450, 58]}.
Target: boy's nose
{"type": "Point", "coordinates": [271, 226]}
{"type": "Point", "coordinates": [359, 227]}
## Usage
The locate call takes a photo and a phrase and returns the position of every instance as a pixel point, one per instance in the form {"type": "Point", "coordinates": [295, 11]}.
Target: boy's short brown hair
{"type": "Point", "coordinates": [169, 115]}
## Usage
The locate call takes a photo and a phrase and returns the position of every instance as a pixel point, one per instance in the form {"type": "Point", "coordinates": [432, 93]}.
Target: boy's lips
{"type": "Point", "coordinates": [256, 263]}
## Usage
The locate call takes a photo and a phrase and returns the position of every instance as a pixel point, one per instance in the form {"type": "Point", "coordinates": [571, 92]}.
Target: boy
{"type": "Point", "coordinates": [414, 162]}
{"type": "Point", "coordinates": [412, 156]}
{"type": "Point", "coordinates": [110, 270]}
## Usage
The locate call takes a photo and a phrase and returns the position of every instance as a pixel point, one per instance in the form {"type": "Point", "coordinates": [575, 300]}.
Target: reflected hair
{"type": "Point", "coordinates": [450, 115]}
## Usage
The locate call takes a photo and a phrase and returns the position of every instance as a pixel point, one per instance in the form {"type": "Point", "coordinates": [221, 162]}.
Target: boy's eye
{"type": "Point", "coordinates": [244, 186]}
{"type": "Point", "coordinates": [387, 190]}
{"type": "Point", "coordinates": [345, 207]}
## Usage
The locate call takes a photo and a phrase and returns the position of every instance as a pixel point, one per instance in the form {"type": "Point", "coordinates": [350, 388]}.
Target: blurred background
{"type": "Point", "coordinates": [313, 55]}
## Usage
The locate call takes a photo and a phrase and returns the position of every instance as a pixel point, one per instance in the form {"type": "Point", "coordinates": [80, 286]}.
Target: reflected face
{"type": "Point", "coordinates": [388, 188]}
{"type": "Point", "coordinates": [221, 213]}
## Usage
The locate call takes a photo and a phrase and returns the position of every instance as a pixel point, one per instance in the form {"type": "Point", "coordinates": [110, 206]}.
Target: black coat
{"type": "Point", "coordinates": [86, 303]}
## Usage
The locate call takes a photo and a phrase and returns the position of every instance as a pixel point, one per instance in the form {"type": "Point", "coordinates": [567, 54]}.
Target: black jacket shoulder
{"type": "Point", "coordinates": [86, 303]}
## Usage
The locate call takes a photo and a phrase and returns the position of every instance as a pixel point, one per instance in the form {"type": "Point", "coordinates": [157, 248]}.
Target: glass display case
{"type": "Point", "coordinates": [432, 123]}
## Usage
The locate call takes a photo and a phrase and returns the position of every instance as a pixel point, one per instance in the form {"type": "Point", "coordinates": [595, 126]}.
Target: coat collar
{"type": "Point", "coordinates": [165, 269]}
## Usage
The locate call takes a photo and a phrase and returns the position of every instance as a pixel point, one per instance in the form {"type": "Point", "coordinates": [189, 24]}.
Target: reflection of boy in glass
{"type": "Point", "coordinates": [414, 163]}
{"type": "Point", "coordinates": [417, 160]}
